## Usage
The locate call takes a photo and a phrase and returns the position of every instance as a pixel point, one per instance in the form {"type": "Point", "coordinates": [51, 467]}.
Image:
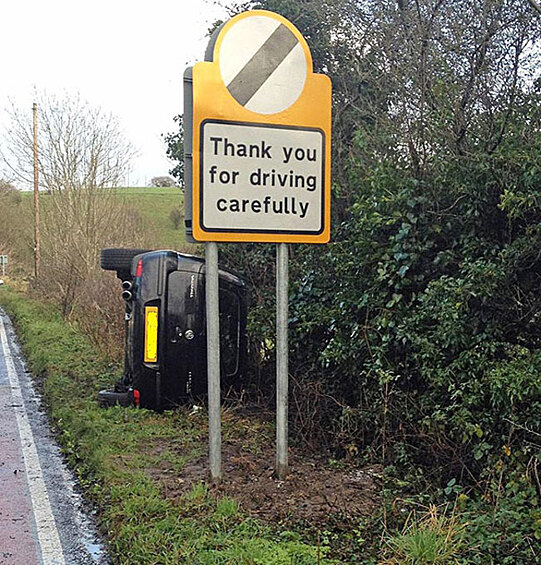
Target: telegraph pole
{"type": "Point", "coordinates": [36, 193]}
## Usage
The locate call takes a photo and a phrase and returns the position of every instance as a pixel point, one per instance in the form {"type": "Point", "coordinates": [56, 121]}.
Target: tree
{"type": "Point", "coordinates": [79, 146]}
{"type": "Point", "coordinates": [432, 279]}
{"type": "Point", "coordinates": [76, 224]}
{"type": "Point", "coordinates": [6, 186]}
{"type": "Point", "coordinates": [175, 149]}
{"type": "Point", "coordinates": [426, 318]}
{"type": "Point", "coordinates": [163, 181]}
{"type": "Point", "coordinates": [15, 221]}
{"type": "Point", "coordinates": [434, 102]}
{"type": "Point", "coordinates": [8, 192]}
{"type": "Point", "coordinates": [82, 153]}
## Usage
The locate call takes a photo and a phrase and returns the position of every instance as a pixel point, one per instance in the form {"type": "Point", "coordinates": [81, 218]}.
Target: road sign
{"type": "Point", "coordinates": [257, 168]}
{"type": "Point", "coordinates": [261, 178]}
{"type": "Point", "coordinates": [261, 136]}
{"type": "Point", "coordinates": [263, 64]}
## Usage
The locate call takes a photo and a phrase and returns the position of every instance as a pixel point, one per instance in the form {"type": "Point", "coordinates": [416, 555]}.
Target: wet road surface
{"type": "Point", "coordinates": [43, 519]}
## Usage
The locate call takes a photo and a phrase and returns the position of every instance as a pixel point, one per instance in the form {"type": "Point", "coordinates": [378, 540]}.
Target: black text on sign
{"type": "Point", "coordinates": [258, 178]}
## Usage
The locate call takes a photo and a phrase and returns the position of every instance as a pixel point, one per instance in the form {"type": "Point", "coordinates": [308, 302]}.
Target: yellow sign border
{"type": "Point", "coordinates": [212, 101]}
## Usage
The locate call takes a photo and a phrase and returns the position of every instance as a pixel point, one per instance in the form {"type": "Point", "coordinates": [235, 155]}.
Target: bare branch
{"type": "Point", "coordinates": [79, 146]}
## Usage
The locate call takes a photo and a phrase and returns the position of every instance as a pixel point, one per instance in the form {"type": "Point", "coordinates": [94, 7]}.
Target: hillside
{"type": "Point", "coordinates": [155, 205]}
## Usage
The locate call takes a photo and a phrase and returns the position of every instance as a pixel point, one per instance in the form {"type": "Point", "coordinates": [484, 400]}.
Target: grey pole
{"type": "Point", "coordinates": [282, 379]}
{"type": "Point", "coordinates": [213, 361]}
{"type": "Point", "coordinates": [36, 192]}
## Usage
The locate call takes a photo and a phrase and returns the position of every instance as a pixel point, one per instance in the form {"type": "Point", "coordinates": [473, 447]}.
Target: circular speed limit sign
{"type": "Point", "coordinates": [262, 64]}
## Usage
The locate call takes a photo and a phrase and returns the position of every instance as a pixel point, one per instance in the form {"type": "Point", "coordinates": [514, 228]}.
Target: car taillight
{"type": "Point", "coordinates": [136, 398]}
{"type": "Point", "coordinates": [139, 270]}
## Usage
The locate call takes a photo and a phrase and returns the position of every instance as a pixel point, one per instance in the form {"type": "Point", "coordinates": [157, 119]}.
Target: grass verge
{"type": "Point", "coordinates": [109, 451]}
{"type": "Point", "coordinates": [116, 453]}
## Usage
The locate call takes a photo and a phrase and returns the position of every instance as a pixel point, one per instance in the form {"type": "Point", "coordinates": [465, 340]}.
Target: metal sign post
{"type": "Point", "coordinates": [282, 360]}
{"type": "Point", "coordinates": [213, 361]}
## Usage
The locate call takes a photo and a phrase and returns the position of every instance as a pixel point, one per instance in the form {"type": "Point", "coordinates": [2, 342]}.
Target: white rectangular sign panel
{"type": "Point", "coordinates": [261, 178]}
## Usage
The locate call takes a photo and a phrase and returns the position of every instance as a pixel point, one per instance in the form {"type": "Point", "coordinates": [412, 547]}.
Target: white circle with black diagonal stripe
{"type": "Point", "coordinates": [262, 64]}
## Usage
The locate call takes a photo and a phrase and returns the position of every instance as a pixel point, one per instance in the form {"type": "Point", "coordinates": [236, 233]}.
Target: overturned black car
{"type": "Point", "coordinates": [165, 362]}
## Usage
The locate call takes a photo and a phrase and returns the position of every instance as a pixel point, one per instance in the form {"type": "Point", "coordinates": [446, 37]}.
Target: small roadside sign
{"type": "Point", "coordinates": [3, 263]}
{"type": "Point", "coordinates": [261, 136]}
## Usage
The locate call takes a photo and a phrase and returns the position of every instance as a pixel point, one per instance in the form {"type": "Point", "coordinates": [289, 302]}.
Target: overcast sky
{"type": "Point", "coordinates": [125, 56]}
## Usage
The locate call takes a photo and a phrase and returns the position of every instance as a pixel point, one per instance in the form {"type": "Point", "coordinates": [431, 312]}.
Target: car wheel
{"type": "Point", "coordinates": [119, 258]}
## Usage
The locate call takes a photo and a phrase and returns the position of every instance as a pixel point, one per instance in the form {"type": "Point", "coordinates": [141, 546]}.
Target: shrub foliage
{"type": "Point", "coordinates": [415, 335]}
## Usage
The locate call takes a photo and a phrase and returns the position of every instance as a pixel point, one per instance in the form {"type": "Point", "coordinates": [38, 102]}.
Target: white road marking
{"type": "Point", "coordinates": [48, 538]}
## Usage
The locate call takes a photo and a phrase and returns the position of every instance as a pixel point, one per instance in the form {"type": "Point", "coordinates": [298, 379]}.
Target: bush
{"type": "Point", "coordinates": [415, 334]}
{"type": "Point", "coordinates": [176, 217]}
{"type": "Point", "coordinates": [6, 187]}
{"type": "Point", "coordinates": [16, 238]}
{"type": "Point", "coordinates": [100, 312]}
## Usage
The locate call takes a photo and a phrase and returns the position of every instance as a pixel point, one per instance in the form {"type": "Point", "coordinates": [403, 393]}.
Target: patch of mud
{"type": "Point", "coordinates": [315, 491]}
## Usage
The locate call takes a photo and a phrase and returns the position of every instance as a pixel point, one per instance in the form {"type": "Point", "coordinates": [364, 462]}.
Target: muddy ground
{"type": "Point", "coordinates": [316, 491]}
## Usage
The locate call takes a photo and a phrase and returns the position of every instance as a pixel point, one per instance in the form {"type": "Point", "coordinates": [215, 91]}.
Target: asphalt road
{"type": "Point", "coordinates": [43, 518]}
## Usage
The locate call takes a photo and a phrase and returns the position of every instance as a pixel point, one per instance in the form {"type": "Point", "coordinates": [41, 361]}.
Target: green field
{"type": "Point", "coordinates": [154, 205]}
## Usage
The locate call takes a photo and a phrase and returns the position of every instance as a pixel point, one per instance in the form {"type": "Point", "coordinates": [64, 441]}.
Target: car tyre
{"type": "Point", "coordinates": [119, 258]}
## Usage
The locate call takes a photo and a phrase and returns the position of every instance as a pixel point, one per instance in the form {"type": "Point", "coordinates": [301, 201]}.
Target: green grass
{"type": "Point", "coordinates": [154, 205]}
{"type": "Point", "coordinates": [147, 190]}
{"type": "Point", "coordinates": [113, 450]}
{"type": "Point", "coordinates": [433, 539]}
